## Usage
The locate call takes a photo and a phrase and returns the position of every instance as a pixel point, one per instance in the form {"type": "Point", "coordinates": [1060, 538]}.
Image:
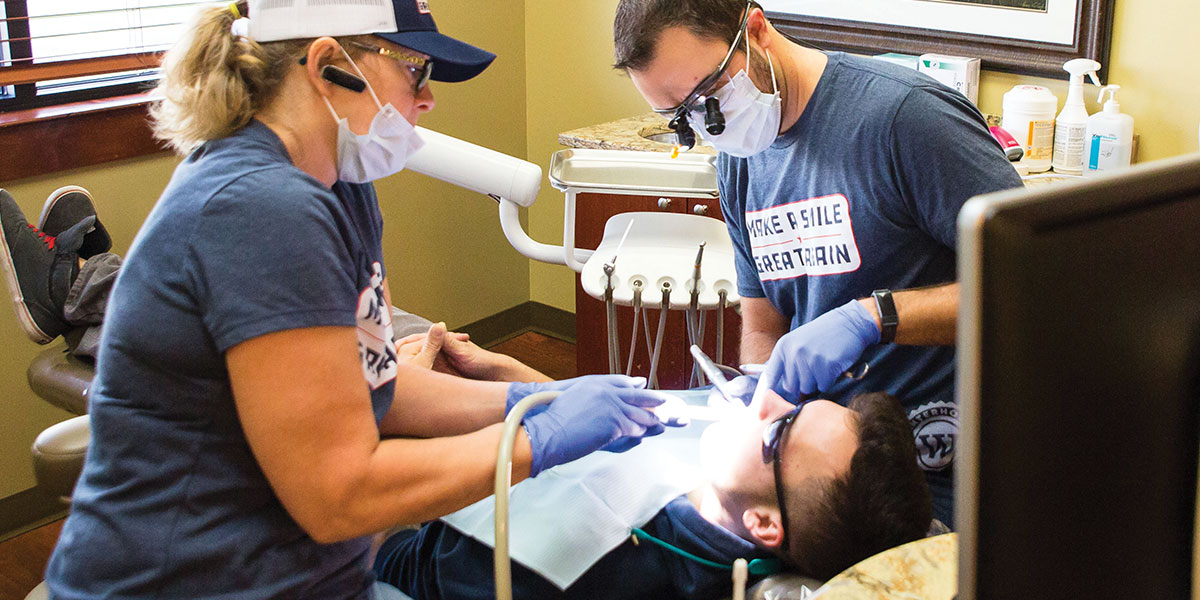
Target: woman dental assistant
{"type": "Point", "coordinates": [247, 376]}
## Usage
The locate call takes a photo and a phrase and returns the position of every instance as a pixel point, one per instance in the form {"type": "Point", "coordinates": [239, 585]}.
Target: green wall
{"type": "Point", "coordinates": [446, 256]}
{"type": "Point", "coordinates": [571, 85]}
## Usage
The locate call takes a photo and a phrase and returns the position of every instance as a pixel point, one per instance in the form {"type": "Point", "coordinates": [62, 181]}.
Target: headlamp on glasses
{"type": "Point", "coordinates": [714, 119]}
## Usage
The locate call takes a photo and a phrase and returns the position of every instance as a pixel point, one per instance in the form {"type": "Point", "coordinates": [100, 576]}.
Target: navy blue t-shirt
{"type": "Point", "coordinates": [438, 562]}
{"type": "Point", "coordinates": [171, 502]}
{"type": "Point", "coordinates": [863, 193]}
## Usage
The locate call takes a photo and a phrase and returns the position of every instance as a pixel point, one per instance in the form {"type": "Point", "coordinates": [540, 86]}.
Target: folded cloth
{"type": "Point", "coordinates": [567, 518]}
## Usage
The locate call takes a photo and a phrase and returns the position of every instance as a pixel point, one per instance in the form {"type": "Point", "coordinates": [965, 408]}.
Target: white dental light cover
{"type": "Point", "coordinates": [476, 168]}
{"type": "Point", "coordinates": [567, 518]}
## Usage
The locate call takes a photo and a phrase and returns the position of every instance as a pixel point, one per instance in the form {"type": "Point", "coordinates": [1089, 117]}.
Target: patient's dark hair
{"type": "Point", "coordinates": [639, 22]}
{"type": "Point", "coordinates": [881, 502]}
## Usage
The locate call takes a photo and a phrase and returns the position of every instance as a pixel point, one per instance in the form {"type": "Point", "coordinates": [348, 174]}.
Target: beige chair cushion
{"type": "Point", "coordinates": [61, 379]}
{"type": "Point", "coordinates": [58, 455]}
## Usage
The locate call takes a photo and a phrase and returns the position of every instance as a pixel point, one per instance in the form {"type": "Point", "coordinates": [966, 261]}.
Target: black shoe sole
{"type": "Point", "coordinates": [55, 196]}
{"type": "Point", "coordinates": [24, 319]}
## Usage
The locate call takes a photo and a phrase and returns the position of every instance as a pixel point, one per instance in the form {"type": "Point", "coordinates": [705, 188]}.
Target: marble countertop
{"type": "Point", "coordinates": [630, 134]}
{"type": "Point", "coordinates": [625, 134]}
{"type": "Point", "coordinates": [925, 569]}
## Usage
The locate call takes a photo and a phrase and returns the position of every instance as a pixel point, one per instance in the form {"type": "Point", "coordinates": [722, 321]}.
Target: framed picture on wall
{"type": "Point", "coordinates": [1030, 37]}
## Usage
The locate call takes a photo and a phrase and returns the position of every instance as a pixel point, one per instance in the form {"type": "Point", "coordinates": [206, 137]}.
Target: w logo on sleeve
{"type": "Point", "coordinates": [935, 425]}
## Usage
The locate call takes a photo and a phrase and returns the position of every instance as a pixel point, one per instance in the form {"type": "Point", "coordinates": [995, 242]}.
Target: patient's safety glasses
{"type": "Point", "coordinates": [772, 452]}
{"type": "Point", "coordinates": [420, 68]}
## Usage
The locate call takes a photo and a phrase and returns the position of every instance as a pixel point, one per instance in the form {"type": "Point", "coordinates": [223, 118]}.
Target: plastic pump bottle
{"type": "Point", "coordinates": [1070, 126]}
{"type": "Point", "coordinates": [1109, 136]}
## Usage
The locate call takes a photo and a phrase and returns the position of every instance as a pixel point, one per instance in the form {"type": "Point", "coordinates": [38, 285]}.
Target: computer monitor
{"type": "Point", "coordinates": [1079, 387]}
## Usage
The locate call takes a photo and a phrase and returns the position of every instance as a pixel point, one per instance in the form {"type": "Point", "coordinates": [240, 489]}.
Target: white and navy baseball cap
{"type": "Point", "coordinates": [408, 23]}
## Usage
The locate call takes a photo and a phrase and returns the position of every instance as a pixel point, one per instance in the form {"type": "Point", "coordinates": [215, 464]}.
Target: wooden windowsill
{"type": "Point", "coordinates": [70, 136]}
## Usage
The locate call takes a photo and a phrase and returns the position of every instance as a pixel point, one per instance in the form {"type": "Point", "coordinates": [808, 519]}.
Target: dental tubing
{"type": "Point", "coordinates": [512, 424]}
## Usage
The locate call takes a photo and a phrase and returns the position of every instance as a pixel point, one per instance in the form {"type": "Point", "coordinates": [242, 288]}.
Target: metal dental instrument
{"type": "Point", "coordinates": [724, 296]}
{"type": "Point", "coordinates": [662, 326]}
{"type": "Point", "coordinates": [610, 312]}
{"type": "Point", "coordinates": [637, 311]}
{"type": "Point", "coordinates": [610, 308]}
{"type": "Point", "coordinates": [714, 375]}
{"type": "Point", "coordinates": [695, 331]}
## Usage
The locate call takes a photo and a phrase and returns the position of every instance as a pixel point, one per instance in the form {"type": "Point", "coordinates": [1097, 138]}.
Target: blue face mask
{"type": "Point", "coordinates": [380, 152]}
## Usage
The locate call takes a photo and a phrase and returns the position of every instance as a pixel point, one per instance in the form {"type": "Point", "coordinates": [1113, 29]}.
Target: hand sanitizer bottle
{"type": "Point", "coordinates": [1109, 136]}
{"type": "Point", "coordinates": [1071, 123]}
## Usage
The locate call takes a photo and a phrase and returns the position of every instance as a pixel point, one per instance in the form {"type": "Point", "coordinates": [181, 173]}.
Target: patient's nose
{"type": "Point", "coordinates": [771, 405]}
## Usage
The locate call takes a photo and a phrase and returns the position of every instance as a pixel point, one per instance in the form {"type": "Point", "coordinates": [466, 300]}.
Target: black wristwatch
{"type": "Point", "coordinates": [888, 319]}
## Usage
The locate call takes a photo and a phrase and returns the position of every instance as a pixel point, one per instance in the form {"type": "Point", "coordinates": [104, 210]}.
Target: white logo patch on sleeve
{"type": "Point", "coordinates": [935, 426]}
{"type": "Point", "coordinates": [375, 346]}
{"type": "Point", "coordinates": [808, 237]}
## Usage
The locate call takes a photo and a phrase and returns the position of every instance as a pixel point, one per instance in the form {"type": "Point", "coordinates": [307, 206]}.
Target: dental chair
{"type": "Point", "coordinates": [62, 380]}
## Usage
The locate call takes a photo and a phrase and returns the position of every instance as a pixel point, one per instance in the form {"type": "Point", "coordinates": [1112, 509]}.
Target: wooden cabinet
{"type": "Point", "coordinates": [674, 367]}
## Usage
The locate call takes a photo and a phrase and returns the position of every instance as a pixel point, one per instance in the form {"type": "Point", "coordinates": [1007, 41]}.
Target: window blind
{"type": "Point", "coordinates": [75, 43]}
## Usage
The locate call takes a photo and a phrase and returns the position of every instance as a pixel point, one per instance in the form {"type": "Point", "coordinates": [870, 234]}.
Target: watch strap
{"type": "Point", "coordinates": [888, 319]}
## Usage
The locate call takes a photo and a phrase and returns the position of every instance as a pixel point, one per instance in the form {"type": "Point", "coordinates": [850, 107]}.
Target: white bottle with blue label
{"type": "Point", "coordinates": [1109, 137]}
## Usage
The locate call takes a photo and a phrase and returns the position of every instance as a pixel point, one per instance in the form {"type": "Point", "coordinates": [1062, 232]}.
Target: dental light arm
{"type": "Point", "coordinates": [510, 181]}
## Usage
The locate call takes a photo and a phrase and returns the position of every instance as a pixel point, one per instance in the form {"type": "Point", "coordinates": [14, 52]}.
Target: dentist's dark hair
{"type": "Point", "coordinates": [639, 23]}
{"type": "Point", "coordinates": [883, 501]}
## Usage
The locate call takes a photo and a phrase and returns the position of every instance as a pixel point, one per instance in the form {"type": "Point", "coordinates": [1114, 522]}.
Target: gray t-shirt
{"type": "Point", "coordinates": [863, 193]}
{"type": "Point", "coordinates": [172, 503]}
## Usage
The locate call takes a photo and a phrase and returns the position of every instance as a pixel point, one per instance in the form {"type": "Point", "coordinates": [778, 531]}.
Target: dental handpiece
{"type": "Point", "coordinates": [714, 374]}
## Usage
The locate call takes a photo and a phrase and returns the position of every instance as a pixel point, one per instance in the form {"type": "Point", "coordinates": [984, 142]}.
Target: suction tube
{"type": "Point", "coordinates": [502, 562]}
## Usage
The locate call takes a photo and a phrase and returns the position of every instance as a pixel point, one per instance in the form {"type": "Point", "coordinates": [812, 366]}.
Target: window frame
{"type": "Point", "coordinates": [94, 126]}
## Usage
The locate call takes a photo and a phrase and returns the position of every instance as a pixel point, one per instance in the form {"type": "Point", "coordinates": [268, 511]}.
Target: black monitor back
{"type": "Point", "coordinates": [1079, 386]}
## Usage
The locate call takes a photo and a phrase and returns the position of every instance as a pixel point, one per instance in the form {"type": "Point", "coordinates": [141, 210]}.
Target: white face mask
{"type": "Point", "coordinates": [380, 152]}
{"type": "Point", "coordinates": [752, 116]}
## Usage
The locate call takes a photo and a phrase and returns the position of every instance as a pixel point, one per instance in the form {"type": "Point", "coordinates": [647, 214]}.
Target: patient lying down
{"type": "Point", "coordinates": [850, 487]}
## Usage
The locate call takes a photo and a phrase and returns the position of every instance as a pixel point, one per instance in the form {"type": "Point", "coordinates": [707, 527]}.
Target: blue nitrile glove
{"type": "Point", "coordinates": [591, 416]}
{"type": "Point", "coordinates": [740, 387]}
{"type": "Point", "coordinates": [517, 391]}
{"type": "Point", "coordinates": [810, 358]}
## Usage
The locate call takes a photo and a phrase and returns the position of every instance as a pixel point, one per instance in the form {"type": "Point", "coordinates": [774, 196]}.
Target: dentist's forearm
{"type": "Point", "coordinates": [927, 316]}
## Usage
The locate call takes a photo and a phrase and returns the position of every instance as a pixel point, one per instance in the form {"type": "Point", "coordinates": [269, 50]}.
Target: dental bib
{"type": "Point", "coordinates": [590, 506]}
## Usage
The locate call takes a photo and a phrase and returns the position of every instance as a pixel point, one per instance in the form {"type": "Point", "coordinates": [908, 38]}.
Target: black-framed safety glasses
{"type": "Point", "coordinates": [772, 452]}
{"type": "Point", "coordinates": [714, 120]}
{"type": "Point", "coordinates": [421, 69]}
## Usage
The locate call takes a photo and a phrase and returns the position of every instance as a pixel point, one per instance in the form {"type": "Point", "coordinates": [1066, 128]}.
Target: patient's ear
{"type": "Point", "coordinates": [764, 526]}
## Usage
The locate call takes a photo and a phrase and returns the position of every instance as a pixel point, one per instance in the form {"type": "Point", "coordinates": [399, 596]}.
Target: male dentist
{"type": "Point", "coordinates": [841, 178]}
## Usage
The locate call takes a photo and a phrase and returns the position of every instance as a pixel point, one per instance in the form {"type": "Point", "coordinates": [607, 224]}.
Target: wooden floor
{"type": "Point", "coordinates": [23, 558]}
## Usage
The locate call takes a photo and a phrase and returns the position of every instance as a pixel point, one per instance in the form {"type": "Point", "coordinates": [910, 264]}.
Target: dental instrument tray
{"type": "Point", "coordinates": [624, 171]}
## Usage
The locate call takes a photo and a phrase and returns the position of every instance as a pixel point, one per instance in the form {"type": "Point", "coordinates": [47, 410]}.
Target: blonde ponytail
{"type": "Point", "coordinates": [213, 82]}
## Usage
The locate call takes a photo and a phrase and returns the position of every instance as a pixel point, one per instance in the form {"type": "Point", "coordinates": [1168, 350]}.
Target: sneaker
{"type": "Point", "coordinates": [67, 206]}
{"type": "Point", "coordinates": [39, 269]}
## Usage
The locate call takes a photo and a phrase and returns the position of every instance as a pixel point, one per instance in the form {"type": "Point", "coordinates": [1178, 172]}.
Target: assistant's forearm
{"type": "Point", "coordinates": [431, 404]}
{"type": "Point", "coordinates": [412, 481]}
{"type": "Point", "coordinates": [927, 316]}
